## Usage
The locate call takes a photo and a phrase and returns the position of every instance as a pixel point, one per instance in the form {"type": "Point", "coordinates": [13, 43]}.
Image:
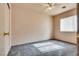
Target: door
{"type": "Point", "coordinates": [78, 29]}
{"type": "Point", "coordinates": [5, 42]}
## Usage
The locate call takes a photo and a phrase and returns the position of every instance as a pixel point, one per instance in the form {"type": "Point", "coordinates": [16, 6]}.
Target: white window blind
{"type": "Point", "coordinates": [68, 24]}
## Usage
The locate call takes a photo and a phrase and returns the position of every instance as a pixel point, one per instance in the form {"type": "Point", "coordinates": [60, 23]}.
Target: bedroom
{"type": "Point", "coordinates": [35, 29]}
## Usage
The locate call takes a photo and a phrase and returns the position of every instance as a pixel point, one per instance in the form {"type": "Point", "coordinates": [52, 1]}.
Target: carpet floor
{"type": "Point", "coordinates": [44, 48]}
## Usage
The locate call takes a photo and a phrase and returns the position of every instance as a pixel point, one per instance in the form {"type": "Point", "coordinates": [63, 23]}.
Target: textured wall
{"type": "Point", "coordinates": [65, 36]}
{"type": "Point", "coordinates": [29, 26]}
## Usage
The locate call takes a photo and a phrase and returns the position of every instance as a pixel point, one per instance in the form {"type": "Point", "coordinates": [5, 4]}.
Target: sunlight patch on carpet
{"type": "Point", "coordinates": [47, 47]}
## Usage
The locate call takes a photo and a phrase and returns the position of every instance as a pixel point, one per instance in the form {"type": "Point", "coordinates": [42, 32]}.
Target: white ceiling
{"type": "Point", "coordinates": [58, 9]}
{"type": "Point", "coordinates": [42, 9]}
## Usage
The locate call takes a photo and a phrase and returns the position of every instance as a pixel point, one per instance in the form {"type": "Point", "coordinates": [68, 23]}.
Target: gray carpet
{"type": "Point", "coordinates": [30, 50]}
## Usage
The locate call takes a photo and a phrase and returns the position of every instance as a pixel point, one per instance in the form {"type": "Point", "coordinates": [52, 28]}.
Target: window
{"type": "Point", "coordinates": [68, 24]}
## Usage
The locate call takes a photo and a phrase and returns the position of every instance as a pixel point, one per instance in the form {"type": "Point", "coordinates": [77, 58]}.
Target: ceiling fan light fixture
{"type": "Point", "coordinates": [49, 8]}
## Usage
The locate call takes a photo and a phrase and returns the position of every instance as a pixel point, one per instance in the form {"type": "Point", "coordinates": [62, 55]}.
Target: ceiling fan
{"type": "Point", "coordinates": [49, 6]}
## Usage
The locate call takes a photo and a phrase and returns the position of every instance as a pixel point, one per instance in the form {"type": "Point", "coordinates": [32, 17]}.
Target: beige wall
{"type": "Point", "coordinates": [29, 26]}
{"type": "Point", "coordinates": [67, 36]}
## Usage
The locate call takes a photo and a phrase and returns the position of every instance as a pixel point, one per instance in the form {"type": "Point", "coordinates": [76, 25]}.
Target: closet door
{"type": "Point", "coordinates": [5, 42]}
